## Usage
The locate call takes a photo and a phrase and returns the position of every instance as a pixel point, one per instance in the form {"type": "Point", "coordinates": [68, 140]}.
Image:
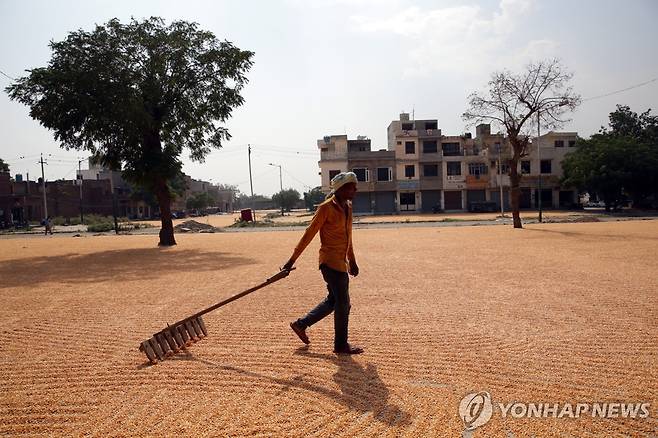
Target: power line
{"type": "Point", "coordinates": [621, 91]}
{"type": "Point", "coordinates": [6, 75]}
{"type": "Point", "coordinates": [293, 177]}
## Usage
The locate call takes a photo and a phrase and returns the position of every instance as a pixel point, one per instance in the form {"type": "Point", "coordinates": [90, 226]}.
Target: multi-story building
{"type": "Point", "coordinates": [423, 170]}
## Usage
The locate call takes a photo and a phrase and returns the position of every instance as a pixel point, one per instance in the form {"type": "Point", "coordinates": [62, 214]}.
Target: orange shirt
{"type": "Point", "coordinates": [335, 226]}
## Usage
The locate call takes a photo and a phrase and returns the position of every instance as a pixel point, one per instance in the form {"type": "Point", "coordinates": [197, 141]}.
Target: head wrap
{"type": "Point", "coordinates": [340, 180]}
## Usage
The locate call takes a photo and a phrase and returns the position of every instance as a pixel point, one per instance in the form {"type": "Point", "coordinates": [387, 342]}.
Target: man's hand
{"type": "Point", "coordinates": [288, 265]}
{"type": "Point", "coordinates": [354, 268]}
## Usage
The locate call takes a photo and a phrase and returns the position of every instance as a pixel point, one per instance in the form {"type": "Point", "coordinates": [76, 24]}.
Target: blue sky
{"type": "Point", "coordinates": [336, 66]}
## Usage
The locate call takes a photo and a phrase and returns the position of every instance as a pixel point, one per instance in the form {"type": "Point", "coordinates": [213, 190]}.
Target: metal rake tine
{"type": "Point", "coordinates": [156, 348]}
{"type": "Point", "coordinates": [182, 335]}
{"type": "Point", "coordinates": [164, 345]}
{"type": "Point", "coordinates": [170, 339]}
{"type": "Point", "coordinates": [202, 325]}
{"type": "Point", "coordinates": [198, 330]}
{"type": "Point", "coordinates": [148, 350]}
{"type": "Point", "coordinates": [191, 331]}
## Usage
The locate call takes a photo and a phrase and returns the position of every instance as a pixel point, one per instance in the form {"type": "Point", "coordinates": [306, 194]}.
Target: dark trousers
{"type": "Point", "coordinates": [337, 301]}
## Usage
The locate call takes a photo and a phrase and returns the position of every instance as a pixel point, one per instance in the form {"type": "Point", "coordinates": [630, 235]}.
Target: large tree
{"type": "Point", "coordinates": [619, 162]}
{"type": "Point", "coordinates": [4, 167]}
{"type": "Point", "coordinates": [286, 199]}
{"type": "Point", "coordinates": [313, 197]}
{"type": "Point", "coordinates": [513, 101]}
{"type": "Point", "coordinates": [135, 95]}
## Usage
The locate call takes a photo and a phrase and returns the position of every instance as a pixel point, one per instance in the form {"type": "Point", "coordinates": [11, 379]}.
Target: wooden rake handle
{"type": "Point", "coordinates": [282, 274]}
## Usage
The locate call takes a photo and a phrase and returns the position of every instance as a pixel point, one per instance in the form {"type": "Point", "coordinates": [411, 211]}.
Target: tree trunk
{"type": "Point", "coordinates": [515, 193]}
{"type": "Point", "coordinates": [164, 200]}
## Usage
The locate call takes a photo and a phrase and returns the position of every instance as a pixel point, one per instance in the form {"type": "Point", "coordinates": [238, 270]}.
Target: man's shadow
{"type": "Point", "coordinates": [361, 388]}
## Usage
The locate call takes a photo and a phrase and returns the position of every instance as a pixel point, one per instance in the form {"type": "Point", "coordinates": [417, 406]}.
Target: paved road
{"type": "Point", "coordinates": [67, 232]}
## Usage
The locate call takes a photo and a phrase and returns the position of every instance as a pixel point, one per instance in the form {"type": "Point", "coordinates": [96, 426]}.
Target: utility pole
{"type": "Point", "coordinates": [280, 184]}
{"type": "Point", "coordinates": [82, 219]}
{"type": "Point", "coordinates": [43, 186]}
{"type": "Point", "coordinates": [500, 179]}
{"type": "Point", "coordinates": [539, 159]}
{"type": "Point", "coordinates": [251, 184]}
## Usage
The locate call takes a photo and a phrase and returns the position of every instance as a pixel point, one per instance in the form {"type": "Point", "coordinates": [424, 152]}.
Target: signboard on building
{"type": "Point", "coordinates": [409, 185]}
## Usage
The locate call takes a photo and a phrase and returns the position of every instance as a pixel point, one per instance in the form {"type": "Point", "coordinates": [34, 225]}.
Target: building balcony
{"type": "Point", "coordinates": [405, 134]}
{"type": "Point", "coordinates": [477, 181]}
{"type": "Point", "coordinates": [429, 133]}
{"type": "Point", "coordinates": [428, 157]}
{"type": "Point", "coordinates": [333, 156]}
{"type": "Point", "coordinates": [374, 155]}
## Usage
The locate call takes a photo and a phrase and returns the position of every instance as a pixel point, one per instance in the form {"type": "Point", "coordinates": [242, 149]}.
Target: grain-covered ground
{"type": "Point", "coordinates": [551, 313]}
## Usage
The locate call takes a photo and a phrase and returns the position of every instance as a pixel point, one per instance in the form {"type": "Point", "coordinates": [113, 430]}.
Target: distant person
{"type": "Point", "coordinates": [333, 219]}
{"type": "Point", "coordinates": [49, 225]}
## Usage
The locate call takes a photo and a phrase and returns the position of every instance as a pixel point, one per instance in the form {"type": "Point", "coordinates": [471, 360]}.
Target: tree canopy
{"type": "Point", "coordinates": [200, 201]}
{"type": "Point", "coordinates": [286, 198]}
{"type": "Point", "coordinates": [313, 197]}
{"type": "Point", "coordinates": [619, 162]}
{"type": "Point", "coordinates": [4, 167]}
{"type": "Point", "coordinates": [136, 95]}
{"type": "Point", "coordinates": [542, 93]}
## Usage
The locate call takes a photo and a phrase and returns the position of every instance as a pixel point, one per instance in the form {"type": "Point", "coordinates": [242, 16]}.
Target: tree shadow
{"type": "Point", "coordinates": [593, 236]}
{"type": "Point", "coordinates": [361, 388]}
{"type": "Point", "coordinates": [116, 265]}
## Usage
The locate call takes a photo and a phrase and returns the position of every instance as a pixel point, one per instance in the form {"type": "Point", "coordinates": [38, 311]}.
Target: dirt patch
{"type": "Point", "coordinates": [192, 226]}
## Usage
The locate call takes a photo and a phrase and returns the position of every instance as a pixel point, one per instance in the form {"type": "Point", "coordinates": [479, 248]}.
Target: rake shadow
{"type": "Point", "coordinates": [361, 388]}
{"type": "Point", "coordinates": [115, 265]}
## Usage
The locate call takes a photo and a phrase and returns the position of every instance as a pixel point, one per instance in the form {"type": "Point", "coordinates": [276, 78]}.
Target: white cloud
{"type": "Point", "coordinates": [461, 39]}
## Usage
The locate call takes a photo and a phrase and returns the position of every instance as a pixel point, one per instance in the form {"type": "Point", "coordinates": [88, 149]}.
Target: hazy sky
{"type": "Point", "coordinates": [336, 66]}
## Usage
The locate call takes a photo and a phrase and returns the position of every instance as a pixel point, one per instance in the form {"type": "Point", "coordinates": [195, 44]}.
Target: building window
{"type": "Point", "coordinates": [559, 143]}
{"type": "Point", "coordinates": [525, 167]}
{"type": "Point", "coordinates": [362, 174]}
{"type": "Point", "coordinates": [454, 168]}
{"type": "Point", "coordinates": [409, 171]}
{"type": "Point", "coordinates": [451, 149]}
{"type": "Point", "coordinates": [545, 166]}
{"type": "Point", "coordinates": [572, 143]}
{"type": "Point", "coordinates": [409, 147]}
{"type": "Point", "coordinates": [431, 170]}
{"type": "Point", "coordinates": [324, 149]}
{"type": "Point", "coordinates": [477, 169]}
{"type": "Point", "coordinates": [431, 125]}
{"type": "Point", "coordinates": [504, 168]}
{"type": "Point", "coordinates": [430, 147]}
{"type": "Point", "coordinates": [407, 126]}
{"type": "Point", "coordinates": [384, 174]}
{"type": "Point", "coordinates": [333, 173]}
{"type": "Point", "coordinates": [399, 142]}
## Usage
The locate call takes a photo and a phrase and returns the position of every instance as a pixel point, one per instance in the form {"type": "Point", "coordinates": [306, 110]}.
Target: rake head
{"type": "Point", "coordinates": [173, 338]}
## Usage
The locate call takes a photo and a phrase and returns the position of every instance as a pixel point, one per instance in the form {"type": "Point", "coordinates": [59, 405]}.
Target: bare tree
{"type": "Point", "coordinates": [542, 93]}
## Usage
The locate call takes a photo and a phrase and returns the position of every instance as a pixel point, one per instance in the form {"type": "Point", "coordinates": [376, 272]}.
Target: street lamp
{"type": "Point", "coordinates": [280, 183]}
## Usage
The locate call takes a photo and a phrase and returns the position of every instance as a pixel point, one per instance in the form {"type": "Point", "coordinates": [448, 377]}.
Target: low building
{"type": "Point", "coordinates": [422, 170]}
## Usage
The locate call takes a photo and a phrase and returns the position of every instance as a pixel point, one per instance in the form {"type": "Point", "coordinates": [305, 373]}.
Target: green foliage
{"type": "Point", "coordinates": [313, 197]}
{"type": "Point", "coordinates": [4, 167]}
{"type": "Point", "coordinates": [286, 198]}
{"type": "Point", "coordinates": [617, 163]}
{"type": "Point", "coordinates": [100, 227]}
{"type": "Point", "coordinates": [135, 95]}
{"type": "Point", "coordinates": [200, 201]}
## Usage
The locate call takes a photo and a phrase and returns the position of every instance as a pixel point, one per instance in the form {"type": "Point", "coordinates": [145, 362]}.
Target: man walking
{"type": "Point", "coordinates": [333, 219]}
